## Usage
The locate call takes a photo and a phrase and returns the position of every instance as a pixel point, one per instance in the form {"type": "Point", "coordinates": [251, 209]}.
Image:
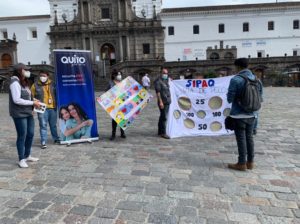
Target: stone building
{"type": "Point", "coordinates": [113, 33]}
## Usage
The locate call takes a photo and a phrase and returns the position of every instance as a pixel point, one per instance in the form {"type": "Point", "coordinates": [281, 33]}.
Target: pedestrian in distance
{"type": "Point", "coordinates": [245, 94]}
{"type": "Point", "coordinates": [44, 90]}
{"type": "Point", "coordinates": [146, 81]}
{"type": "Point", "coordinates": [116, 77]}
{"type": "Point", "coordinates": [163, 95]}
{"type": "Point", "coordinates": [21, 105]}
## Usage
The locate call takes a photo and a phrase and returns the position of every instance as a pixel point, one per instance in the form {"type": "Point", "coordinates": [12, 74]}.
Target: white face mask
{"type": "Point", "coordinates": [165, 76]}
{"type": "Point", "coordinates": [43, 79]}
{"type": "Point", "coordinates": [119, 77]}
{"type": "Point", "coordinates": [26, 74]}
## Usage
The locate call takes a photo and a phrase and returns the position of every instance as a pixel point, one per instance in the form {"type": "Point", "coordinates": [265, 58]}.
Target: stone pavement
{"type": "Point", "coordinates": [145, 179]}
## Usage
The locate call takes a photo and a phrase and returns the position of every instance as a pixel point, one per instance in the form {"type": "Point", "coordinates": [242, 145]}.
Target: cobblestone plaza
{"type": "Point", "coordinates": [146, 179]}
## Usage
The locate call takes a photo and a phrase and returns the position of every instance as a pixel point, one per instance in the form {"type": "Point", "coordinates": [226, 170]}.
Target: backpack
{"type": "Point", "coordinates": [250, 99]}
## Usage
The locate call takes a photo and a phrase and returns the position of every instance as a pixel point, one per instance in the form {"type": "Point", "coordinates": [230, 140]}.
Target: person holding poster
{"type": "Point", "coordinates": [44, 90]}
{"type": "Point", "coordinates": [244, 120]}
{"type": "Point", "coordinates": [163, 100]}
{"type": "Point", "coordinates": [21, 104]}
{"type": "Point", "coordinates": [116, 77]}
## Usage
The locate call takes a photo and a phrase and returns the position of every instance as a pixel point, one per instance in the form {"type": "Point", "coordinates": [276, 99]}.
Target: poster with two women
{"type": "Point", "coordinates": [75, 96]}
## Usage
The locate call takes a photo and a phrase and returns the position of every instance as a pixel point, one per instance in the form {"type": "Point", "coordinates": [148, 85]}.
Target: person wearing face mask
{"type": "Point", "coordinates": [44, 90]}
{"type": "Point", "coordinates": [162, 89]}
{"type": "Point", "coordinates": [116, 77]}
{"type": "Point", "coordinates": [21, 105]}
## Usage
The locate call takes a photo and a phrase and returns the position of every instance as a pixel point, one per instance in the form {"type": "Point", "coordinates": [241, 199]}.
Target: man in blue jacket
{"type": "Point", "coordinates": [244, 120]}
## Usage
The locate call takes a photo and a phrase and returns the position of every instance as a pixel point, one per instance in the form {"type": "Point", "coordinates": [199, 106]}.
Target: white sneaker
{"type": "Point", "coordinates": [22, 163]}
{"type": "Point", "coordinates": [32, 159]}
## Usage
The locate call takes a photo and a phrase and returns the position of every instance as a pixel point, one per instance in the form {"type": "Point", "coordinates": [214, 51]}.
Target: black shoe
{"type": "Point", "coordinates": [57, 141]}
{"type": "Point", "coordinates": [254, 132]}
{"type": "Point", "coordinates": [112, 137]}
{"type": "Point", "coordinates": [165, 136]}
{"type": "Point", "coordinates": [43, 146]}
{"type": "Point", "coordinates": [123, 136]}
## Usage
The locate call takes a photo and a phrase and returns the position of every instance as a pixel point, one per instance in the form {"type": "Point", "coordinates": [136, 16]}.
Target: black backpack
{"type": "Point", "coordinates": [250, 98]}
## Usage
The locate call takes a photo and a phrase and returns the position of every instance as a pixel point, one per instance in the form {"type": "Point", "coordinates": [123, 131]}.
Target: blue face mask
{"type": "Point", "coordinates": [165, 76]}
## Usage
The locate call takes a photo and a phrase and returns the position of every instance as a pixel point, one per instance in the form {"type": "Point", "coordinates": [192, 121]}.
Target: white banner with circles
{"type": "Point", "coordinates": [199, 107]}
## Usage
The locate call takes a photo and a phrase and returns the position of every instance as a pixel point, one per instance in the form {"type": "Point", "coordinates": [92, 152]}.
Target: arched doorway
{"type": "Point", "coordinates": [214, 56]}
{"type": "Point", "coordinates": [108, 53]}
{"type": "Point", "coordinates": [228, 55]}
{"type": "Point", "coordinates": [6, 60]}
{"type": "Point", "coordinates": [138, 74]}
{"type": "Point", "coordinates": [223, 71]}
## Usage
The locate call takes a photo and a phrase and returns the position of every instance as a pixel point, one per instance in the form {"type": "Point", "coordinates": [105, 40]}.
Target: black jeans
{"type": "Point", "coordinates": [244, 139]}
{"type": "Point", "coordinates": [114, 128]}
{"type": "Point", "coordinates": [163, 119]}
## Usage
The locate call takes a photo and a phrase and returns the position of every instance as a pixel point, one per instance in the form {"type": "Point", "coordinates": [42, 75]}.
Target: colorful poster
{"type": "Point", "coordinates": [124, 101]}
{"type": "Point", "coordinates": [75, 96]}
{"type": "Point", "coordinates": [199, 107]}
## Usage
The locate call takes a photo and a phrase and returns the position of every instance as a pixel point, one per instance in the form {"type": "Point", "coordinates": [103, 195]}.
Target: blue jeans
{"type": "Point", "coordinates": [25, 132]}
{"type": "Point", "coordinates": [50, 116]}
{"type": "Point", "coordinates": [244, 139]}
{"type": "Point", "coordinates": [163, 119]}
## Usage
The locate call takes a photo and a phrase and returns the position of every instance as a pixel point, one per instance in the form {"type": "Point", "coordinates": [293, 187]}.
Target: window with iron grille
{"type": "Point", "coordinates": [196, 29]}
{"type": "Point", "coordinates": [245, 27]}
{"type": "Point", "coordinates": [221, 28]}
{"type": "Point", "coordinates": [296, 24]}
{"type": "Point", "coordinates": [171, 30]}
{"type": "Point", "coordinates": [34, 34]}
{"type": "Point", "coordinates": [105, 13]}
{"type": "Point", "coordinates": [146, 48]}
{"type": "Point", "coordinates": [271, 25]}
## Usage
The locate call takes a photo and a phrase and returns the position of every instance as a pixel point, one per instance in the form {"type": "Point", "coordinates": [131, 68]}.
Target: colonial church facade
{"type": "Point", "coordinates": [110, 29]}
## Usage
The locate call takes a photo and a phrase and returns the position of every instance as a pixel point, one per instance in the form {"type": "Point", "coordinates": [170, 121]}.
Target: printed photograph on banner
{"type": "Point", "coordinates": [124, 101]}
{"type": "Point", "coordinates": [74, 122]}
{"type": "Point", "coordinates": [75, 96]}
{"type": "Point", "coordinates": [199, 107]}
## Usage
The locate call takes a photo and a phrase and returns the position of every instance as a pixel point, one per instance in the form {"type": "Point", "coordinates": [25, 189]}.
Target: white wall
{"type": "Point", "coordinates": [186, 45]}
{"type": "Point", "coordinates": [29, 50]}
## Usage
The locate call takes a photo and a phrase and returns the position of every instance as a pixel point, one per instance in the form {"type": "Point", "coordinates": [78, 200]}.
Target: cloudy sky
{"type": "Point", "coordinates": [40, 7]}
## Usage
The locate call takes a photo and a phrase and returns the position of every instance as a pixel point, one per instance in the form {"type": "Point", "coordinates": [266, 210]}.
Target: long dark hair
{"type": "Point", "coordinates": [114, 74]}
{"type": "Point", "coordinates": [23, 80]}
{"type": "Point", "coordinates": [62, 108]}
{"type": "Point", "coordinates": [79, 110]}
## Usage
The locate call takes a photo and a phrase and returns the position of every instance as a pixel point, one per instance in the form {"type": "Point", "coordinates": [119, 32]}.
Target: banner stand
{"type": "Point", "coordinates": [75, 141]}
{"type": "Point", "coordinates": [75, 96]}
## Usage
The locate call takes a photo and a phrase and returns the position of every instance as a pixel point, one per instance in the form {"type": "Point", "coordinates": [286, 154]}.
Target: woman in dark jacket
{"type": "Point", "coordinates": [21, 105]}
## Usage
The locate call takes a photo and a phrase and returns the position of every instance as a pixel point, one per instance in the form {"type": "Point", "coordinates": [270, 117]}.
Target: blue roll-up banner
{"type": "Point", "coordinates": [75, 96]}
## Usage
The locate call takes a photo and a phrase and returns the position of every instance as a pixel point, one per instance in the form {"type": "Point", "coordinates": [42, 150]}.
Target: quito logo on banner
{"type": "Point", "coordinates": [199, 107]}
{"type": "Point", "coordinates": [124, 101]}
{"type": "Point", "coordinates": [75, 96]}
